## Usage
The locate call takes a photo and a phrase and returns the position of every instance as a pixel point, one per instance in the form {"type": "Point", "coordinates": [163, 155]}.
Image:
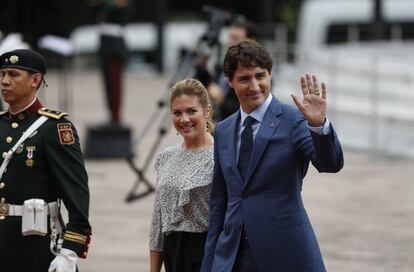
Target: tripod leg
{"type": "Point", "coordinates": [132, 195]}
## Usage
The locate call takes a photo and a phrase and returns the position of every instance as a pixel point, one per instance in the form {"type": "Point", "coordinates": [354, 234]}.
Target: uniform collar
{"type": "Point", "coordinates": [31, 109]}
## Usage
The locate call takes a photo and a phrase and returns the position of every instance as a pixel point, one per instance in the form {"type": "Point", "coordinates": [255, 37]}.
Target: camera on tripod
{"type": "Point", "coordinates": [217, 19]}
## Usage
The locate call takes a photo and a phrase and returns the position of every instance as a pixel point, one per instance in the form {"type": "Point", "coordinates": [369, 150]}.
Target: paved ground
{"type": "Point", "coordinates": [363, 216]}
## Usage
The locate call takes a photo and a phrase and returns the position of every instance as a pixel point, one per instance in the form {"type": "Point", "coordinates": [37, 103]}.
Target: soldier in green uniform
{"type": "Point", "coordinates": [113, 52]}
{"type": "Point", "coordinates": [38, 174]}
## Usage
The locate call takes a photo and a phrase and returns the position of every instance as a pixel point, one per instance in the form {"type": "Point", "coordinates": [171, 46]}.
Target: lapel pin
{"type": "Point", "coordinates": [272, 124]}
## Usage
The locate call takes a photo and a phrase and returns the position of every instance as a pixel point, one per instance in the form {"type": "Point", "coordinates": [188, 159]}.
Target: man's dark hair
{"type": "Point", "coordinates": [42, 81]}
{"type": "Point", "coordinates": [247, 53]}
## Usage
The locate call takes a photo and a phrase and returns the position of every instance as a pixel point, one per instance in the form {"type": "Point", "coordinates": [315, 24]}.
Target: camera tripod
{"type": "Point", "coordinates": [217, 19]}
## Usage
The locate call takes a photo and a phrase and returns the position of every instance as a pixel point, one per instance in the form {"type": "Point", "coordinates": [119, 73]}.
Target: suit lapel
{"type": "Point", "coordinates": [268, 126]}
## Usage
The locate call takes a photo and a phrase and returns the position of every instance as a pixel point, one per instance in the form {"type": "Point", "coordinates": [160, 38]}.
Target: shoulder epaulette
{"type": "Point", "coordinates": [51, 113]}
{"type": "Point", "coordinates": [3, 113]}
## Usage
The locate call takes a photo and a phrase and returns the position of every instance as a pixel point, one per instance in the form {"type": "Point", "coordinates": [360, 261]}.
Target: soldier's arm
{"type": "Point", "coordinates": [67, 169]}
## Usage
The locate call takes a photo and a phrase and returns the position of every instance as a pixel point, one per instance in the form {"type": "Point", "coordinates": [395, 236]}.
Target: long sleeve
{"type": "Point", "coordinates": [218, 203]}
{"type": "Point", "coordinates": [67, 167]}
{"type": "Point", "coordinates": [324, 151]}
{"type": "Point", "coordinates": [156, 241]}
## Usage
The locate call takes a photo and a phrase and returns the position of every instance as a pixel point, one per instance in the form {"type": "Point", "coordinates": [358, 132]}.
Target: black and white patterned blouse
{"type": "Point", "coordinates": [183, 190]}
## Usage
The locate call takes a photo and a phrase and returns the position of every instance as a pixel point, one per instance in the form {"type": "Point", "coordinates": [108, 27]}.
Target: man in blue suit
{"type": "Point", "coordinates": [262, 153]}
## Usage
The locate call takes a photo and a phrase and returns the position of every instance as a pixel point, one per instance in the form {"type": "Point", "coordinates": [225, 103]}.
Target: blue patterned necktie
{"type": "Point", "coordinates": [246, 146]}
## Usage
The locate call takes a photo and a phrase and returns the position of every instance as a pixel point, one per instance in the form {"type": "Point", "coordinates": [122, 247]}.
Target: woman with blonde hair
{"type": "Point", "coordinates": [184, 174]}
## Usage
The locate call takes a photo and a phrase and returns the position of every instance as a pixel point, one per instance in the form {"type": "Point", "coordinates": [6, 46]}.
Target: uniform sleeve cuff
{"type": "Point", "coordinates": [77, 242]}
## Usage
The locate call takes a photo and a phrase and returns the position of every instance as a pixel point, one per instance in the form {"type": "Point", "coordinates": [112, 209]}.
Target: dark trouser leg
{"type": "Point", "coordinates": [116, 74]}
{"type": "Point", "coordinates": [107, 78]}
{"type": "Point", "coordinates": [112, 73]}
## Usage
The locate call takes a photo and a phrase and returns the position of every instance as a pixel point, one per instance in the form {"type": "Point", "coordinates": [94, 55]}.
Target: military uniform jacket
{"type": "Point", "coordinates": [113, 45]}
{"type": "Point", "coordinates": [48, 165]}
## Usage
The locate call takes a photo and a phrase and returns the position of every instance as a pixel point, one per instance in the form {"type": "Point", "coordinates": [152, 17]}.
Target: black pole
{"type": "Point", "coordinates": [160, 14]}
{"type": "Point", "coordinates": [378, 29]}
{"type": "Point", "coordinates": [267, 14]}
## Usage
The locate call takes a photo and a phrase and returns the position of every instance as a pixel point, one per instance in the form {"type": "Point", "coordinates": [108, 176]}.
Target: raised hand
{"type": "Point", "coordinates": [314, 104]}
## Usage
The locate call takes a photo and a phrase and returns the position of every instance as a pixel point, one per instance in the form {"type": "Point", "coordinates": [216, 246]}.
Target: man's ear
{"type": "Point", "coordinates": [230, 83]}
{"type": "Point", "coordinates": [36, 80]}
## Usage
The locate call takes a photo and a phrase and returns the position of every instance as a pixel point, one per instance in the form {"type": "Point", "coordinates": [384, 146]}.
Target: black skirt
{"type": "Point", "coordinates": [183, 251]}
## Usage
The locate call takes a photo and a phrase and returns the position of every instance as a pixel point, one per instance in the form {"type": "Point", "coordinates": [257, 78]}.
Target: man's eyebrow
{"type": "Point", "coordinates": [243, 77]}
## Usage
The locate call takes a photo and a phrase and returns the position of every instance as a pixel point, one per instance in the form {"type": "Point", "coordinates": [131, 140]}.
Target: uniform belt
{"type": "Point", "coordinates": [111, 30]}
{"type": "Point", "coordinates": [17, 210]}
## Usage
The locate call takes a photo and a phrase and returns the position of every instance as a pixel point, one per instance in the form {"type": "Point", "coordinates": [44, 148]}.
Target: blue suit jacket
{"type": "Point", "coordinates": [268, 203]}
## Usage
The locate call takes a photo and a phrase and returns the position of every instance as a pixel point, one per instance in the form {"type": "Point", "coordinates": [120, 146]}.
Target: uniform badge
{"type": "Point", "coordinates": [13, 59]}
{"type": "Point", "coordinates": [29, 160]}
{"type": "Point", "coordinates": [65, 134]}
{"type": "Point", "coordinates": [20, 149]}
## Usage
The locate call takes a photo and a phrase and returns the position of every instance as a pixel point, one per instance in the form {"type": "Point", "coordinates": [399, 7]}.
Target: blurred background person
{"type": "Point", "coordinates": [237, 32]}
{"type": "Point", "coordinates": [223, 96]}
{"type": "Point", "coordinates": [113, 15]}
{"type": "Point", "coordinates": [184, 174]}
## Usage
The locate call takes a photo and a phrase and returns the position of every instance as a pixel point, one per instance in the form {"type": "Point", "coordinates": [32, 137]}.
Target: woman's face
{"type": "Point", "coordinates": [189, 117]}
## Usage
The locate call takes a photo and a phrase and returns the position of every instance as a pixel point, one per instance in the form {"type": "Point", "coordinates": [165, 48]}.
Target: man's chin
{"type": "Point", "coordinates": [256, 103]}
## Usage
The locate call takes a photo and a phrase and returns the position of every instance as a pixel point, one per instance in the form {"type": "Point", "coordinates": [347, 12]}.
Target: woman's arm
{"type": "Point", "coordinates": [155, 261]}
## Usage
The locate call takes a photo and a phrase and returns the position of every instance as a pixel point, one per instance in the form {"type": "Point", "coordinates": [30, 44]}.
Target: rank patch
{"type": "Point", "coordinates": [65, 134]}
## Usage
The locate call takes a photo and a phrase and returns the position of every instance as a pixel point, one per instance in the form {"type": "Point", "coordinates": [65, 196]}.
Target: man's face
{"type": "Point", "coordinates": [252, 86]}
{"type": "Point", "coordinates": [18, 87]}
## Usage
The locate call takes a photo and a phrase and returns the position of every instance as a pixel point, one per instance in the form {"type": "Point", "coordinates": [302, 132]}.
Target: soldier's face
{"type": "Point", "coordinates": [189, 117]}
{"type": "Point", "coordinates": [18, 86]}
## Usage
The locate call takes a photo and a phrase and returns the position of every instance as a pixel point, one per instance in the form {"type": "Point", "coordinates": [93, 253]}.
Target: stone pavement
{"type": "Point", "coordinates": [363, 216]}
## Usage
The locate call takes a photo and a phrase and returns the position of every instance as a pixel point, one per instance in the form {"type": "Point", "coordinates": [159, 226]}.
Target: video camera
{"type": "Point", "coordinates": [217, 19]}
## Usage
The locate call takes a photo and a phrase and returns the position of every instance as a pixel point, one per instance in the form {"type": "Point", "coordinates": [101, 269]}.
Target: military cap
{"type": "Point", "coordinates": [25, 59]}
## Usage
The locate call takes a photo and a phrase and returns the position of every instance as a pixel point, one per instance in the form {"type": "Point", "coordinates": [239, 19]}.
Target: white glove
{"type": "Point", "coordinates": [64, 262]}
